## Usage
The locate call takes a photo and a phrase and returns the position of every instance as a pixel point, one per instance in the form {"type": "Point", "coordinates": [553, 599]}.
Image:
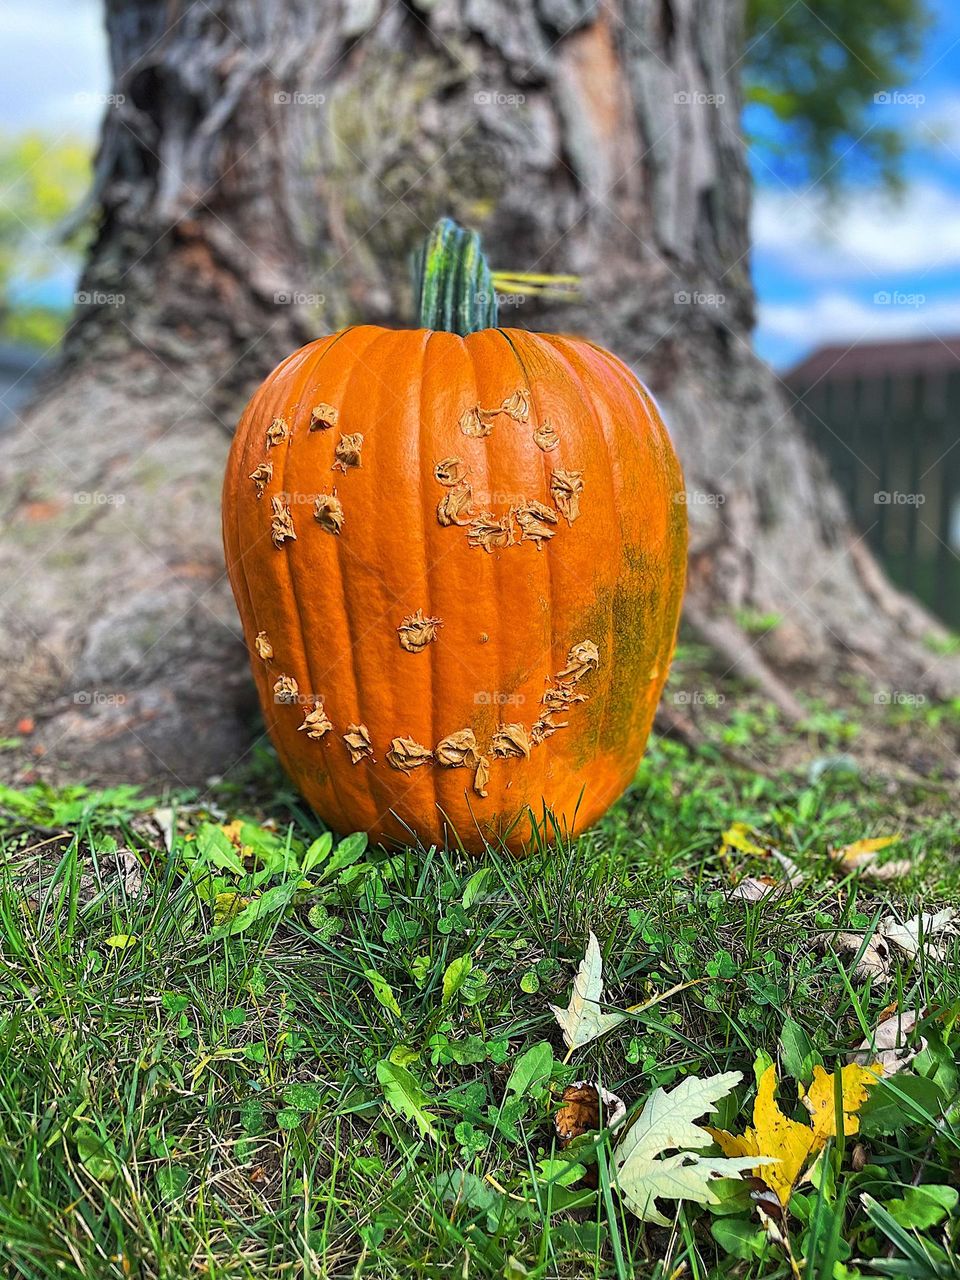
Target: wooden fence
{"type": "Point", "coordinates": [893, 445]}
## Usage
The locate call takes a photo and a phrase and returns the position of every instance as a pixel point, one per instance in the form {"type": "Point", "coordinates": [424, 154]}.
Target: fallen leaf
{"type": "Point", "coordinates": [789, 1145]}
{"type": "Point", "coordinates": [120, 941]}
{"type": "Point", "coordinates": [887, 1046]}
{"type": "Point", "coordinates": [583, 1020]}
{"type": "Point", "coordinates": [793, 872]}
{"type": "Point", "coordinates": [874, 955]}
{"type": "Point", "coordinates": [820, 1099]}
{"type": "Point", "coordinates": [861, 856]}
{"type": "Point", "coordinates": [737, 836]}
{"type": "Point", "coordinates": [908, 936]}
{"type": "Point", "coordinates": [584, 1107]}
{"type": "Point", "coordinates": [862, 851]}
{"type": "Point", "coordinates": [646, 1173]}
{"type": "Point", "coordinates": [404, 1093]}
{"type": "Point", "coordinates": [755, 888]}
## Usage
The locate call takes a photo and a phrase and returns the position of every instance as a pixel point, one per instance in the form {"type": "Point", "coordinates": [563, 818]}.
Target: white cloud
{"type": "Point", "coordinates": [836, 317]}
{"type": "Point", "coordinates": [868, 237]}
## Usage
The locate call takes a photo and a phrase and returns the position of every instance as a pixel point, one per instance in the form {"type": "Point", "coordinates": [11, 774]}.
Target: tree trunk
{"type": "Point", "coordinates": [264, 181]}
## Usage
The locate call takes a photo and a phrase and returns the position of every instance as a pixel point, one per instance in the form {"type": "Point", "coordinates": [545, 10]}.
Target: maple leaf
{"type": "Point", "coordinates": [646, 1173]}
{"type": "Point", "coordinates": [583, 1020]}
{"type": "Point", "coordinates": [792, 1145]}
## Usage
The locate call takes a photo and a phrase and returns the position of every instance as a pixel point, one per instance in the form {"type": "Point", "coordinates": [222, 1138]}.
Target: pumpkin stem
{"type": "Point", "coordinates": [452, 281]}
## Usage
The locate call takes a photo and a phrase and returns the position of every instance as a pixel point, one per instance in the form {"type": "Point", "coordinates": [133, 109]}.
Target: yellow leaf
{"type": "Point", "coordinates": [227, 906]}
{"type": "Point", "coordinates": [819, 1100]}
{"type": "Point", "coordinates": [121, 940]}
{"type": "Point", "coordinates": [737, 836]}
{"type": "Point", "coordinates": [792, 1144]}
{"type": "Point", "coordinates": [862, 852]}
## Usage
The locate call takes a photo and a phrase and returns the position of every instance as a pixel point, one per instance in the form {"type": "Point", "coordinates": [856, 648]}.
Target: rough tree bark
{"type": "Point", "coordinates": [264, 181]}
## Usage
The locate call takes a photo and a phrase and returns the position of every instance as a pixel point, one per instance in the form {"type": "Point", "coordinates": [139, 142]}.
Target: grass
{"type": "Point", "coordinates": [178, 1101]}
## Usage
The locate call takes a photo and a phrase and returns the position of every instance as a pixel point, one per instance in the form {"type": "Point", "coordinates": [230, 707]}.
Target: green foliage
{"type": "Point", "coordinates": [368, 1070]}
{"type": "Point", "coordinates": [43, 180]}
{"type": "Point", "coordinates": [815, 69]}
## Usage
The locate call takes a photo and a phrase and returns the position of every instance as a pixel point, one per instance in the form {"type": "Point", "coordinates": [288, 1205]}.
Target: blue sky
{"type": "Point", "coordinates": [818, 270]}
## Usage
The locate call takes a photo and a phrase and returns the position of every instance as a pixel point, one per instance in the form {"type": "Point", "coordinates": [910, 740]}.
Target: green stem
{"type": "Point", "coordinates": [452, 281]}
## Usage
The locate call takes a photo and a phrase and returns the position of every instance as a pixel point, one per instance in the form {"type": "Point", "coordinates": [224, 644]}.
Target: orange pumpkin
{"type": "Point", "coordinates": [459, 562]}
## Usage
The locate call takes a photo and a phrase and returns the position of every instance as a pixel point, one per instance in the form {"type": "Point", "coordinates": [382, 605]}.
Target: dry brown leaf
{"type": "Point", "coordinates": [907, 936]}
{"type": "Point", "coordinates": [888, 1044]}
{"type": "Point", "coordinates": [585, 1107]}
{"type": "Point", "coordinates": [875, 960]}
{"type": "Point", "coordinates": [755, 888]}
{"type": "Point", "coordinates": [582, 659]}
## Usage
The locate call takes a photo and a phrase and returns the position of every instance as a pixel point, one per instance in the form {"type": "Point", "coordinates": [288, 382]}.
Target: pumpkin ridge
{"type": "Point", "coordinates": [540, 757]}
{"type": "Point", "coordinates": [494, 567]}
{"type": "Point", "coordinates": [426, 513]}
{"type": "Point", "coordinates": [249, 442]}
{"type": "Point", "coordinates": [667, 636]}
{"type": "Point", "coordinates": [560, 347]}
{"type": "Point", "coordinates": [360, 365]}
{"type": "Point", "coordinates": [545, 468]}
{"type": "Point", "coordinates": [286, 565]}
{"type": "Point", "coordinates": [590, 357]}
{"type": "Point", "coordinates": [295, 563]}
{"type": "Point", "coordinates": [312, 374]}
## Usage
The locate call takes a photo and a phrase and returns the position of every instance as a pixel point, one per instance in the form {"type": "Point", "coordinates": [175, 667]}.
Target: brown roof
{"type": "Point", "coordinates": [874, 359]}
